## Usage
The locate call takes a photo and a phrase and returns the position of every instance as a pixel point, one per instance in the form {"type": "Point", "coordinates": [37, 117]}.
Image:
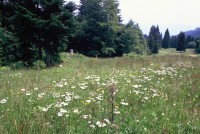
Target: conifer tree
{"type": "Point", "coordinates": [181, 45]}
{"type": "Point", "coordinates": [154, 39]}
{"type": "Point", "coordinates": [99, 28]}
{"type": "Point", "coordinates": [166, 40]}
{"type": "Point", "coordinates": [42, 27]}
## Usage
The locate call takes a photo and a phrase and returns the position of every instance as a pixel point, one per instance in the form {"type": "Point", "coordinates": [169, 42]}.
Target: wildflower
{"type": "Point", "coordinates": [86, 116]}
{"type": "Point", "coordinates": [23, 90]}
{"type": "Point", "coordinates": [76, 110]}
{"type": "Point", "coordinates": [68, 98]}
{"type": "Point", "coordinates": [60, 114]}
{"type": "Point", "coordinates": [83, 87]}
{"type": "Point", "coordinates": [76, 97]}
{"type": "Point", "coordinates": [35, 88]}
{"type": "Point", "coordinates": [73, 87]}
{"type": "Point", "coordinates": [43, 109]}
{"type": "Point", "coordinates": [59, 85]}
{"type": "Point", "coordinates": [124, 103]}
{"type": "Point", "coordinates": [136, 92]}
{"type": "Point", "coordinates": [116, 112]}
{"type": "Point", "coordinates": [88, 101]}
{"type": "Point", "coordinates": [64, 103]}
{"type": "Point", "coordinates": [136, 86]}
{"type": "Point", "coordinates": [107, 121]}
{"type": "Point", "coordinates": [100, 124]}
{"type": "Point", "coordinates": [28, 93]}
{"type": "Point", "coordinates": [63, 110]}
{"type": "Point", "coordinates": [41, 95]}
{"type": "Point", "coordinates": [3, 101]}
{"type": "Point", "coordinates": [92, 126]}
{"type": "Point", "coordinates": [146, 98]}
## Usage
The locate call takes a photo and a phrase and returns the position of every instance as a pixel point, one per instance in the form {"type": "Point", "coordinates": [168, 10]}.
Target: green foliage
{"type": "Point", "coordinates": [8, 47]}
{"type": "Point", "coordinates": [18, 65]}
{"type": "Point", "coordinates": [154, 39]}
{"type": "Point", "coordinates": [166, 40]}
{"type": "Point", "coordinates": [173, 42]}
{"type": "Point", "coordinates": [181, 46]}
{"type": "Point", "coordinates": [39, 64]}
{"type": "Point", "coordinates": [99, 27]}
{"type": "Point", "coordinates": [191, 44]}
{"type": "Point", "coordinates": [189, 39]}
{"type": "Point", "coordinates": [197, 46]}
{"type": "Point", "coordinates": [43, 28]}
{"type": "Point", "coordinates": [108, 51]}
{"type": "Point", "coordinates": [133, 39]}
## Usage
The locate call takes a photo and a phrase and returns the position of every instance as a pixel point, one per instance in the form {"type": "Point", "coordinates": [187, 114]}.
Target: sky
{"type": "Point", "coordinates": [176, 15]}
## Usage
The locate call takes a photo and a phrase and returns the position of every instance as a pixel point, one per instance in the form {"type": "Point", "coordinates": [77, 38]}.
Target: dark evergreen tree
{"type": "Point", "coordinates": [9, 51]}
{"type": "Point", "coordinates": [159, 37]}
{"type": "Point", "coordinates": [100, 27]}
{"type": "Point", "coordinates": [42, 27]}
{"type": "Point", "coordinates": [181, 45]}
{"type": "Point", "coordinates": [197, 47]}
{"type": "Point", "coordinates": [166, 40]}
{"type": "Point", "coordinates": [154, 39]}
{"type": "Point", "coordinates": [173, 42]}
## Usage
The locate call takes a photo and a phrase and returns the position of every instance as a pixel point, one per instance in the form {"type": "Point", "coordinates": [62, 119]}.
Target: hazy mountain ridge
{"type": "Point", "coordinates": [194, 33]}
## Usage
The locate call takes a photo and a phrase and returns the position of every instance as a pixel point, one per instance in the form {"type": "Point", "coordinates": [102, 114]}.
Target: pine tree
{"type": "Point", "coordinates": [154, 39]}
{"type": "Point", "coordinates": [181, 46]}
{"type": "Point", "coordinates": [9, 51]}
{"type": "Point", "coordinates": [42, 27]}
{"type": "Point", "coordinates": [166, 40]}
{"type": "Point", "coordinates": [100, 26]}
{"type": "Point", "coordinates": [173, 42]}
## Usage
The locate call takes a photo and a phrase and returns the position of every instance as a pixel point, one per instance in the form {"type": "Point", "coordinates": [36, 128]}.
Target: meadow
{"type": "Point", "coordinates": [123, 95]}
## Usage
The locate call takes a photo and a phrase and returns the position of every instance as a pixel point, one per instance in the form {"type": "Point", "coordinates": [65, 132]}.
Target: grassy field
{"type": "Point", "coordinates": [150, 95]}
{"type": "Point", "coordinates": [172, 51]}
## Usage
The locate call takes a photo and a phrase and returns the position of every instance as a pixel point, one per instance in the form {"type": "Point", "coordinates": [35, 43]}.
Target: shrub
{"type": "Point", "coordinates": [17, 65]}
{"type": "Point", "coordinates": [39, 64]}
{"type": "Point", "coordinates": [191, 44]}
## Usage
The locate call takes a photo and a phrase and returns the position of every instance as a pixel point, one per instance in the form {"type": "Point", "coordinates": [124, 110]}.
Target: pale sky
{"type": "Point", "coordinates": [176, 15]}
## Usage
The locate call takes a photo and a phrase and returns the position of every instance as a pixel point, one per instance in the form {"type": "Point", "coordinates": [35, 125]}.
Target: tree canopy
{"type": "Point", "coordinates": [41, 27]}
{"type": "Point", "coordinates": [181, 44]}
{"type": "Point", "coordinates": [37, 31]}
{"type": "Point", "coordinates": [166, 40]}
{"type": "Point", "coordinates": [154, 39]}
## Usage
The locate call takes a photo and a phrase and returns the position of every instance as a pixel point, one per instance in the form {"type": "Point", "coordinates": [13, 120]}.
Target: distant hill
{"type": "Point", "coordinates": [194, 33]}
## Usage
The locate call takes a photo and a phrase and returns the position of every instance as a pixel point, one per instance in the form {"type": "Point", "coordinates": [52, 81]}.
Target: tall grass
{"type": "Point", "coordinates": [158, 94]}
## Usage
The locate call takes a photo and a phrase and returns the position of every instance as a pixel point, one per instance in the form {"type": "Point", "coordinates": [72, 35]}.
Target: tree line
{"type": "Point", "coordinates": [39, 30]}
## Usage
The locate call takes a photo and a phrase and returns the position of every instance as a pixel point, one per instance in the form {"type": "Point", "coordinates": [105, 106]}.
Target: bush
{"type": "Point", "coordinates": [191, 44]}
{"type": "Point", "coordinates": [17, 65]}
{"type": "Point", "coordinates": [198, 49]}
{"type": "Point", "coordinates": [5, 68]}
{"type": "Point", "coordinates": [39, 64]}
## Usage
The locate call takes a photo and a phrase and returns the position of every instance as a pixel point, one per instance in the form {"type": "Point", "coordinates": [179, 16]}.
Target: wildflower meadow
{"type": "Point", "coordinates": [126, 95]}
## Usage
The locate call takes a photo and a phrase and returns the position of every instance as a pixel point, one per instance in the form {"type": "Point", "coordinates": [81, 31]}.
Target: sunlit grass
{"type": "Point", "coordinates": [158, 94]}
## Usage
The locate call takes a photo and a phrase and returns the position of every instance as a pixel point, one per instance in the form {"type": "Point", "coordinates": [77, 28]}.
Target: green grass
{"type": "Point", "coordinates": [158, 94]}
{"type": "Point", "coordinates": [172, 51]}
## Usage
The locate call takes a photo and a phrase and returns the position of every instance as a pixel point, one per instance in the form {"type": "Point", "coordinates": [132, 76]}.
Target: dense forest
{"type": "Point", "coordinates": [37, 31]}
